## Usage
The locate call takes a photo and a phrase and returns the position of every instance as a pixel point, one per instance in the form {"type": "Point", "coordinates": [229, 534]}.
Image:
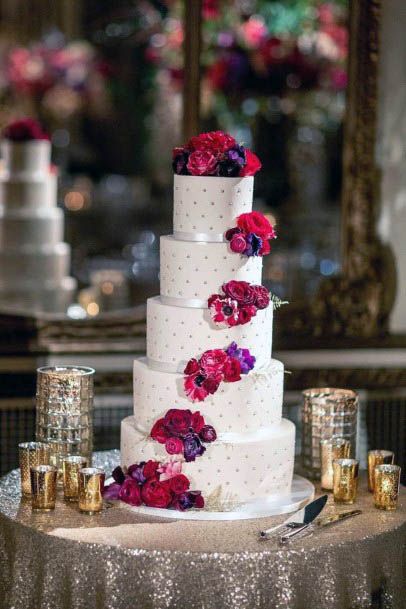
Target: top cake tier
{"type": "Point", "coordinates": [206, 207]}
{"type": "Point", "coordinates": [29, 158]}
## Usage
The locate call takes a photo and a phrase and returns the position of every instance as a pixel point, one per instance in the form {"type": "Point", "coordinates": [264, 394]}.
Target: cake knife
{"type": "Point", "coordinates": [322, 522]}
{"type": "Point", "coordinates": [298, 520]}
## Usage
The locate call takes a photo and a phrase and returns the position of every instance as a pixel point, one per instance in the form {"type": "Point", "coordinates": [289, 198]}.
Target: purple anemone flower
{"type": "Point", "coordinates": [247, 361]}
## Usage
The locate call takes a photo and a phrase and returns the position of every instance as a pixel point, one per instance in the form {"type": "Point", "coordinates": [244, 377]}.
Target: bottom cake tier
{"type": "Point", "coordinates": [235, 469]}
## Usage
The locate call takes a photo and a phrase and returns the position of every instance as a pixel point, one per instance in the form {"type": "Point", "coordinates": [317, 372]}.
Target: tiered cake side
{"type": "Point", "coordinates": [252, 456]}
{"type": "Point", "coordinates": [34, 260]}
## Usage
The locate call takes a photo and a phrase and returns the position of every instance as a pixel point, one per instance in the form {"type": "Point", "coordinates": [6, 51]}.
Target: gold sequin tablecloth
{"type": "Point", "coordinates": [121, 560]}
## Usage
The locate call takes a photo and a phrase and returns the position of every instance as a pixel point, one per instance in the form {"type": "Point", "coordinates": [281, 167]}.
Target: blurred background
{"type": "Point", "coordinates": [105, 79]}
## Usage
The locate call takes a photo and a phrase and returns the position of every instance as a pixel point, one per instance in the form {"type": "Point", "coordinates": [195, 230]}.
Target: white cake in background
{"type": "Point", "coordinates": [252, 457]}
{"type": "Point", "coordinates": [34, 260]}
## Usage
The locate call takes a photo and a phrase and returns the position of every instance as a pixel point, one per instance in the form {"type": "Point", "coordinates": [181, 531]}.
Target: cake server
{"type": "Point", "coordinates": [299, 520]}
{"type": "Point", "coordinates": [323, 522]}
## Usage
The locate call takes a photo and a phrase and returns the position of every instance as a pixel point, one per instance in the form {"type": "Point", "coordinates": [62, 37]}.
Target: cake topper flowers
{"type": "Point", "coordinates": [24, 130]}
{"type": "Point", "coordinates": [238, 304]}
{"type": "Point", "coordinates": [215, 154]}
{"type": "Point", "coordinates": [155, 484]}
{"type": "Point", "coordinates": [204, 375]}
{"type": "Point", "coordinates": [183, 432]}
{"type": "Point", "coordinates": [252, 234]}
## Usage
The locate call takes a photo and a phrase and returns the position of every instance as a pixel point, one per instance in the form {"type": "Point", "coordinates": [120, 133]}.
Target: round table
{"type": "Point", "coordinates": [122, 560]}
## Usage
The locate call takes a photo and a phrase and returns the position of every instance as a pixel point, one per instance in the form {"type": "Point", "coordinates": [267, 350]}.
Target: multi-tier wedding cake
{"type": "Point", "coordinates": [208, 396]}
{"type": "Point", "coordinates": [34, 260]}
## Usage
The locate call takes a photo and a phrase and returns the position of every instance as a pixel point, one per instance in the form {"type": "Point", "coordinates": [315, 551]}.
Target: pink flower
{"type": "Point", "coordinates": [174, 446]}
{"type": "Point", "coordinates": [253, 31]}
{"type": "Point", "coordinates": [241, 291]}
{"type": "Point", "coordinates": [252, 166]}
{"type": "Point", "coordinates": [257, 223]}
{"type": "Point", "coordinates": [201, 163]}
{"type": "Point", "coordinates": [238, 243]}
{"type": "Point", "coordinates": [193, 385]}
{"type": "Point", "coordinates": [170, 469]}
{"type": "Point", "coordinates": [212, 361]}
{"type": "Point", "coordinates": [232, 370]}
{"type": "Point", "coordinates": [224, 311]}
{"type": "Point", "coordinates": [130, 492]}
{"type": "Point", "coordinates": [215, 142]}
{"type": "Point", "coordinates": [261, 296]}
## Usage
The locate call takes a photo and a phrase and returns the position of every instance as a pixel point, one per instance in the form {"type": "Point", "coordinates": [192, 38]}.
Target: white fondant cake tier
{"type": "Point", "coordinates": [28, 193]}
{"type": "Point", "coordinates": [175, 334]}
{"type": "Point", "coordinates": [36, 263]}
{"type": "Point", "coordinates": [191, 270]}
{"type": "Point", "coordinates": [235, 469]}
{"type": "Point", "coordinates": [29, 157]}
{"type": "Point", "coordinates": [49, 297]}
{"type": "Point", "coordinates": [205, 207]}
{"type": "Point", "coordinates": [254, 401]}
{"type": "Point", "coordinates": [33, 227]}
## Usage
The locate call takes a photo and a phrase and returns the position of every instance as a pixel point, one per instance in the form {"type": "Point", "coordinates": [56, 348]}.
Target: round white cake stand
{"type": "Point", "coordinates": [301, 492]}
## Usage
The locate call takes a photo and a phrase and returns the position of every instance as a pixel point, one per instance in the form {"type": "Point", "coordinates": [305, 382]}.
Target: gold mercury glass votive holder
{"type": "Point", "coordinates": [345, 480]}
{"type": "Point", "coordinates": [386, 489]}
{"type": "Point", "coordinates": [91, 484]}
{"type": "Point", "coordinates": [70, 475]}
{"type": "Point", "coordinates": [43, 486]}
{"type": "Point", "coordinates": [377, 457]}
{"type": "Point", "coordinates": [334, 448]}
{"type": "Point", "coordinates": [30, 454]}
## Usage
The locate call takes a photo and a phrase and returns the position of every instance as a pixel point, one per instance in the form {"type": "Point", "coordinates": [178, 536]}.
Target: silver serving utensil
{"type": "Point", "coordinates": [298, 520]}
{"type": "Point", "coordinates": [308, 529]}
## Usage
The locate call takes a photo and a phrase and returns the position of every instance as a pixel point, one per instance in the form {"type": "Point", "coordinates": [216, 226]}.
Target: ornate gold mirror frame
{"type": "Point", "coordinates": [356, 303]}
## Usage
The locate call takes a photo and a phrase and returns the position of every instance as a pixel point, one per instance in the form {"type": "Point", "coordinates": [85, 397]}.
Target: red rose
{"type": "Point", "coordinates": [211, 383]}
{"type": "Point", "coordinates": [197, 421]}
{"type": "Point", "coordinates": [208, 434]}
{"type": "Point", "coordinates": [24, 130]}
{"type": "Point", "coordinates": [199, 501]}
{"type": "Point", "coordinates": [192, 367]}
{"type": "Point", "coordinates": [130, 492]}
{"type": "Point", "coordinates": [177, 421]}
{"type": "Point", "coordinates": [245, 314]}
{"type": "Point", "coordinates": [201, 163]}
{"type": "Point", "coordinates": [215, 142]}
{"type": "Point", "coordinates": [238, 243]}
{"type": "Point", "coordinates": [179, 484]}
{"type": "Point", "coordinates": [158, 432]}
{"type": "Point", "coordinates": [255, 222]}
{"type": "Point", "coordinates": [265, 249]}
{"type": "Point", "coordinates": [174, 446]}
{"type": "Point", "coordinates": [155, 494]}
{"type": "Point", "coordinates": [150, 469]}
{"type": "Point", "coordinates": [252, 166]}
{"type": "Point", "coordinates": [241, 291]}
{"type": "Point", "coordinates": [232, 370]}
{"type": "Point", "coordinates": [212, 361]}
{"type": "Point", "coordinates": [261, 296]}
{"type": "Point", "coordinates": [177, 151]}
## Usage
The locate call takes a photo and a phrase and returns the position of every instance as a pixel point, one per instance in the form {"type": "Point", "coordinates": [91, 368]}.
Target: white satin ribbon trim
{"type": "Point", "coordinates": [166, 366]}
{"type": "Point", "coordinates": [195, 303]}
{"type": "Point", "coordinates": [209, 237]}
{"type": "Point", "coordinates": [228, 437]}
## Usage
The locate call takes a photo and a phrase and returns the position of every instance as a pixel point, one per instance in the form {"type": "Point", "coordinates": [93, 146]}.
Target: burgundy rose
{"type": "Point", "coordinates": [174, 446]}
{"type": "Point", "coordinates": [238, 243]}
{"type": "Point", "coordinates": [130, 492]}
{"type": "Point", "coordinates": [197, 421]}
{"type": "Point", "coordinates": [231, 232]}
{"type": "Point", "coordinates": [155, 494]}
{"type": "Point", "coordinates": [179, 484]}
{"type": "Point", "coordinates": [192, 367]}
{"type": "Point", "coordinates": [198, 499]}
{"type": "Point", "coordinates": [261, 296]}
{"type": "Point", "coordinates": [201, 163]}
{"type": "Point", "coordinates": [208, 434]}
{"type": "Point", "coordinates": [159, 432]}
{"type": "Point", "coordinates": [212, 361]}
{"type": "Point", "coordinates": [177, 421]}
{"type": "Point", "coordinates": [232, 370]}
{"type": "Point", "coordinates": [118, 475]}
{"type": "Point", "coordinates": [241, 291]}
{"type": "Point", "coordinates": [211, 383]}
{"type": "Point", "coordinates": [246, 313]}
{"type": "Point", "coordinates": [150, 469]}
{"type": "Point", "coordinates": [252, 165]}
